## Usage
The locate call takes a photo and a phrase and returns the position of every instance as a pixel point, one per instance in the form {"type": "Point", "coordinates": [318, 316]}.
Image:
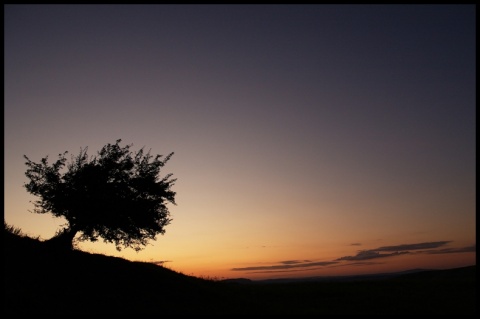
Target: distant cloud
{"type": "Point", "coordinates": [292, 262]}
{"type": "Point", "coordinates": [428, 245]}
{"type": "Point", "coordinates": [371, 254]}
{"type": "Point", "coordinates": [362, 258]}
{"type": "Point", "coordinates": [289, 264]}
{"type": "Point", "coordinates": [467, 249]}
{"type": "Point", "coordinates": [364, 263]}
{"type": "Point", "coordinates": [393, 250]}
{"type": "Point", "coordinates": [288, 270]}
{"type": "Point", "coordinates": [357, 263]}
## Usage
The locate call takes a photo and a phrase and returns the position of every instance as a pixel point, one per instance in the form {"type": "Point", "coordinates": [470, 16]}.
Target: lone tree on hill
{"type": "Point", "coordinates": [117, 195]}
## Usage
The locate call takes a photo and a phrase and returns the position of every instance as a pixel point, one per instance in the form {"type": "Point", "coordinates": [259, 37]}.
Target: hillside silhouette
{"type": "Point", "coordinates": [41, 279]}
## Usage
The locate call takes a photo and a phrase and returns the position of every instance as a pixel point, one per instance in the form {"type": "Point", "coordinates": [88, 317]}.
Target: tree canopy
{"type": "Point", "coordinates": [117, 195]}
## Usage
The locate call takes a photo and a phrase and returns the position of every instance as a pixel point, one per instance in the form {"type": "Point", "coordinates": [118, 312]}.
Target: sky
{"type": "Point", "coordinates": [308, 140]}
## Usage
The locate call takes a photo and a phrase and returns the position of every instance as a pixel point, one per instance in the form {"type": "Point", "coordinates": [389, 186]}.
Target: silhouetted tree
{"type": "Point", "coordinates": [117, 195]}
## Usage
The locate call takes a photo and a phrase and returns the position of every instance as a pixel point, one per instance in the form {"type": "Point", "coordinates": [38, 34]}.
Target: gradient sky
{"type": "Point", "coordinates": [308, 139]}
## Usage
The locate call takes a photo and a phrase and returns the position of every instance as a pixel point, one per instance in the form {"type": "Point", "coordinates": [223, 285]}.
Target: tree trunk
{"type": "Point", "coordinates": [64, 239]}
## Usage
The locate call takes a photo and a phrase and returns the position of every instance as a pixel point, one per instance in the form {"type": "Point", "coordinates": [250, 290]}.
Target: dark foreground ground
{"type": "Point", "coordinates": [41, 280]}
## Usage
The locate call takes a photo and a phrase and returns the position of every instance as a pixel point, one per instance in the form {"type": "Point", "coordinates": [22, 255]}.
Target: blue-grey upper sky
{"type": "Point", "coordinates": [294, 126]}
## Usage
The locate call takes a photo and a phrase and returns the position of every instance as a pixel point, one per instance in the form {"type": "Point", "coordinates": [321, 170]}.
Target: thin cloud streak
{"type": "Point", "coordinates": [396, 250]}
{"type": "Point", "coordinates": [468, 249]}
{"type": "Point", "coordinates": [358, 263]}
{"type": "Point", "coordinates": [285, 266]}
{"type": "Point", "coordinates": [371, 254]}
{"type": "Point", "coordinates": [360, 257]}
{"type": "Point", "coordinates": [293, 262]}
{"type": "Point", "coordinates": [363, 263]}
{"type": "Point", "coordinates": [290, 270]}
{"type": "Point", "coordinates": [418, 246]}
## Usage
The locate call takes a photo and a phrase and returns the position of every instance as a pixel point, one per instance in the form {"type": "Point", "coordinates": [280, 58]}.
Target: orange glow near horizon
{"type": "Point", "coordinates": [264, 262]}
{"type": "Point", "coordinates": [258, 248]}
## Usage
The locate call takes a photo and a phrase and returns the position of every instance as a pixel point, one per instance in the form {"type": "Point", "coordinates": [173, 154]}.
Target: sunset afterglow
{"type": "Point", "coordinates": [308, 140]}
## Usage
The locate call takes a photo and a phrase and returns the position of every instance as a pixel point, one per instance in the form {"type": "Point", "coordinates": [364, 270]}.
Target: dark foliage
{"type": "Point", "coordinates": [117, 195]}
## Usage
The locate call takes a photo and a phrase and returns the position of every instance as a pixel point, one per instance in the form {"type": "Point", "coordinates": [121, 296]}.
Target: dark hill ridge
{"type": "Point", "coordinates": [42, 280]}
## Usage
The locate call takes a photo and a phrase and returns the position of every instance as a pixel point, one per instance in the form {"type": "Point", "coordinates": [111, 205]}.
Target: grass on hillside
{"type": "Point", "coordinates": [42, 280]}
